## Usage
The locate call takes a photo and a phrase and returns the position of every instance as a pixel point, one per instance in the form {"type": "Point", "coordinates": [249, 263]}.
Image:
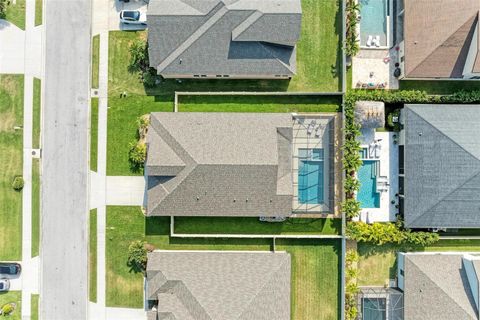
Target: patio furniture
{"type": "Point", "coordinates": [311, 126]}
{"type": "Point", "coordinates": [369, 40]}
{"type": "Point", "coordinates": [376, 41]}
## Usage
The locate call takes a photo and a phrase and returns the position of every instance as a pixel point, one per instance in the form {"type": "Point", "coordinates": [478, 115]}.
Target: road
{"type": "Point", "coordinates": [64, 218]}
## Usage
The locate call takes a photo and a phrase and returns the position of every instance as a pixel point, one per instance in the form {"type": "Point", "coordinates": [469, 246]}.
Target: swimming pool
{"type": "Point", "coordinates": [367, 175]}
{"type": "Point", "coordinates": [310, 176]}
{"type": "Point", "coordinates": [374, 309]}
{"type": "Point", "coordinates": [374, 21]}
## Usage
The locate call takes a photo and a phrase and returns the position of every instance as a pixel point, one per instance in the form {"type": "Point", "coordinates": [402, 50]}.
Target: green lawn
{"type": "Point", "coordinates": [93, 256]}
{"type": "Point", "coordinates": [38, 12]}
{"type": "Point", "coordinates": [11, 144]}
{"type": "Point", "coordinates": [95, 60]}
{"type": "Point", "coordinates": [34, 307]}
{"type": "Point", "coordinates": [37, 114]}
{"type": "Point", "coordinates": [439, 87]}
{"type": "Point", "coordinates": [35, 207]}
{"type": "Point", "coordinates": [94, 134]}
{"type": "Point", "coordinates": [244, 225]}
{"type": "Point", "coordinates": [15, 13]}
{"type": "Point", "coordinates": [378, 263]}
{"type": "Point", "coordinates": [16, 297]}
{"type": "Point", "coordinates": [314, 295]}
{"type": "Point", "coordinates": [259, 103]}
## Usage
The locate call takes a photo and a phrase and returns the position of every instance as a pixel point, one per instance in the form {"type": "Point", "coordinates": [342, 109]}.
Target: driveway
{"type": "Point", "coordinates": [115, 6]}
{"type": "Point", "coordinates": [12, 48]}
{"type": "Point", "coordinates": [126, 191]}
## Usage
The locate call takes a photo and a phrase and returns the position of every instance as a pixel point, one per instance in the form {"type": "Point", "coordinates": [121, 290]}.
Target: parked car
{"type": "Point", "coordinates": [133, 17]}
{"type": "Point", "coordinates": [4, 285]}
{"type": "Point", "coordinates": [10, 269]}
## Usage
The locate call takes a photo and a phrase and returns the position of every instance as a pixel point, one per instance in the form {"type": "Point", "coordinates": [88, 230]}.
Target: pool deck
{"type": "Point", "coordinates": [370, 67]}
{"type": "Point", "coordinates": [388, 157]}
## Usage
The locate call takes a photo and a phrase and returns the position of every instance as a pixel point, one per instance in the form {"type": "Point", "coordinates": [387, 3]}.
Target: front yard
{"type": "Point", "coordinates": [11, 144]}
{"type": "Point", "coordinates": [15, 13]}
{"type": "Point", "coordinates": [315, 263]}
{"type": "Point", "coordinates": [15, 297]}
{"type": "Point", "coordinates": [378, 263]}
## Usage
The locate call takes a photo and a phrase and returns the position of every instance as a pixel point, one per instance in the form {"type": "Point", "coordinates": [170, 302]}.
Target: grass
{"type": "Point", "coordinates": [94, 134]}
{"type": "Point", "coordinates": [15, 13]}
{"type": "Point", "coordinates": [35, 207]}
{"type": "Point", "coordinates": [318, 60]}
{"type": "Point", "coordinates": [259, 103]}
{"type": "Point", "coordinates": [34, 307]}
{"type": "Point", "coordinates": [244, 225]}
{"type": "Point", "coordinates": [11, 144]}
{"type": "Point", "coordinates": [16, 297]}
{"type": "Point", "coordinates": [95, 60]}
{"type": "Point", "coordinates": [378, 263]}
{"type": "Point", "coordinates": [439, 86]}
{"type": "Point", "coordinates": [93, 256]}
{"type": "Point", "coordinates": [38, 12]}
{"type": "Point", "coordinates": [37, 114]}
{"type": "Point", "coordinates": [314, 295]}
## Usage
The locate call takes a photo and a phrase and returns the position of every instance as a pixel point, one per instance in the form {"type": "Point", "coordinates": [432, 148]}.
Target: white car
{"type": "Point", "coordinates": [133, 17]}
{"type": "Point", "coordinates": [4, 285]}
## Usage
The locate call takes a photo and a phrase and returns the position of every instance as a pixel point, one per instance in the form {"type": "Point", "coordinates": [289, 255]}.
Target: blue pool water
{"type": "Point", "coordinates": [373, 20]}
{"type": "Point", "coordinates": [367, 194]}
{"type": "Point", "coordinates": [310, 176]}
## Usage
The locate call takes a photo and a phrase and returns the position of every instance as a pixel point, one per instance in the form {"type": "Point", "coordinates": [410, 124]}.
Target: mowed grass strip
{"type": "Point", "coordinates": [38, 12]}
{"type": "Point", "coordinates": [34, 306]}
{"type": "Point", "coordinates": [95, 60]}
{"type": "Point", "coordinates": [315, 264]}
{"type": "Point", "coordinates": [92, 272]}
{"type": "Point", "coordinates": [248, 225]}
{"type": "Point", "coordinates": [94, 134]}
{"type": "Point", "coordinates": [35, 207]}
{"type": "Point", "coordinates": [378, 264]}
{"type": "Point", "coordinates": [11, 145]}
{"type": "Point", "coordinates": [250, 103]}
{"type": "Point", "coordinates": [440, 86]}
{"type": "Point", "coordinates": [37, 114]}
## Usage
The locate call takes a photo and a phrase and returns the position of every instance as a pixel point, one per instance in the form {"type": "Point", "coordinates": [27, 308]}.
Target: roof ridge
{"type": "Point", "coordinates": [285, 259]}
{"type": "Point", "coordinates": [276, 58]}
{"type": "Point", "coordinates": [182, 288]}
{"type": "Point", "coordinates": [194, 36]}
{"type": "Point", "coordinates": [441, 44]}
{"type": "Point", "coordinates": [435, 283]}
{"type": "Point", "coordinates": [246, 24]}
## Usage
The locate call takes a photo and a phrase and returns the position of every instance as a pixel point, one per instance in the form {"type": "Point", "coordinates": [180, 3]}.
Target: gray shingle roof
{"type": "Point", "coordinates": [224, 37]}
{"type": "Point", "coordinates": [212, 285]}
{"type": "Point", "coordinates": [436, 287]}
{"type": "Point", "coordinates": [223, 164]}
{"type": "Point", "coordinates": [442, 166]}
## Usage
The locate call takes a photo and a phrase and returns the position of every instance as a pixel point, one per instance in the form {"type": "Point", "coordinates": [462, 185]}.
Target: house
{"type": "Point", "coordinates": [218, 285]}
{"type": "Point", "coordinates": [440, 39]}
{"type": "Point", "coordinates": [439, 286]}
{"type": "Point", "coordinates": [440, 166]}
{"type": "Point", "coordinates": [224, 38]}
{"type": "Point", "coordinates": [219, 164]}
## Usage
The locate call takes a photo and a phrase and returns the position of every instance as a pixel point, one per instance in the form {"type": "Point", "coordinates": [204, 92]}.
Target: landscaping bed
{"type": "Point", "coordinates": [247, 225]}
{"type": "Point", "coordinates": [315, 263]}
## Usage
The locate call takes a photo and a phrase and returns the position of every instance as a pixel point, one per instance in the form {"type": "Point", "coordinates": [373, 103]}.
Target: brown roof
{"type": "Point", "coordinates": [438, 34]}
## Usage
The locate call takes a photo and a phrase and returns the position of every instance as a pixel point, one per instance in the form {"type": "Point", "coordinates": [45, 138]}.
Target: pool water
{"type": "Point", "coordinates": [374, 309]}
{"type": "Point", "coordinates": [373, 20]}
{"type": "Point", "coordinates": [310, 176]}
{"type": "Point", "coordinates": [367, 175]}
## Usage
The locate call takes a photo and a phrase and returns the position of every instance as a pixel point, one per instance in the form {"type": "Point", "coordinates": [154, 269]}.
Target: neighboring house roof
{"type": "Point", "coordinates": [442, 166]}
{"type": "Point", "coordinates": [208, 285]}
{"type": "Point", "coordinates": [224, 37]}
{"type": "Point", "coordinates": [436, 287]}
{"type": "Point", "coordinates": [438, 34]}
{"type": "Point", "coordinates": [220, 164]}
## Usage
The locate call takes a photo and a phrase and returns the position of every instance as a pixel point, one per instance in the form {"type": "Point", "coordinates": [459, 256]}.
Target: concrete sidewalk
{"type": "Point", "coordinates": [12, 48]}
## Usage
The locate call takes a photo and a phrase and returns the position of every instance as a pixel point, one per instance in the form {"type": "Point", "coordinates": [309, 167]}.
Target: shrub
{"type": "Point", "coordinates": [7, 309]}
{"type": "Point", "coordinates": [137, 255]}
{"type": "Point", "coordinates": [137, 154]}
{"type": "Point", "coordinates": [149, 78]}
{"type": "Point", "coordinates": [351, 207]}
{"type": "Point", "coordinates": [18, 183]}
{"type": "Point", "coordinates": [139, 56]}
{"type": "Point", "coordinates": [3, 8]}
{"type": "Point", "coordinates": [351, 43]}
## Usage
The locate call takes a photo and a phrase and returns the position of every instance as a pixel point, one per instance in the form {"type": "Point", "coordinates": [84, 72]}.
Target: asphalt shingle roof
{"type": "Point", "coordinates": [224, 37]}
{"type": "Point", "coordinates": [223, 164]}
{"type": "Point", "coordinates": [436, 288]}
{"type": "Point", "coordinates": [442, 166]}
{"type": "Point", "coordinates": [220, 285]}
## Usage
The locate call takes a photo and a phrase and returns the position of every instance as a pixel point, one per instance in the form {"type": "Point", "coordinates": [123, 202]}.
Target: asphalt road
{"type": "Point", "coordinates": [64, 218]}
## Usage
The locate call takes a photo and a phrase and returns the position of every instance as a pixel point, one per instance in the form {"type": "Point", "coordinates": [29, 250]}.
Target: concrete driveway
{"type": "Point", "coordinates": [12, 48]}
{"type": "Point", "coordinates": [114, 13]}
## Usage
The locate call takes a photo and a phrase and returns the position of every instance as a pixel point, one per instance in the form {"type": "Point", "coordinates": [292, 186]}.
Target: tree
{"type": "Point", "coordinates": [137, 155]}
{"type": "Point", "coordinates": [137, 255]}
{"type": "Point", "coordinates": [7, 309]}
{"type": "Point", "coordinates": [18, 182]}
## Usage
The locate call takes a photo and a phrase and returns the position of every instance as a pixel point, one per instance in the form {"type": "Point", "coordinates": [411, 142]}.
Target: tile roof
{"type": "Point", "coordinates": [442, 166]}
{"type": "Point", "coordinates": [209, 285]}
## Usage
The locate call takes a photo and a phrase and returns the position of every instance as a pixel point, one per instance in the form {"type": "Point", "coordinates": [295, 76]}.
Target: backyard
{"type": "Point", "coordinates": [11, 144]}
{"type": "Point", "coordinates": [378, 263]}
{"type": "Point", "coordinates": [314, 295]}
